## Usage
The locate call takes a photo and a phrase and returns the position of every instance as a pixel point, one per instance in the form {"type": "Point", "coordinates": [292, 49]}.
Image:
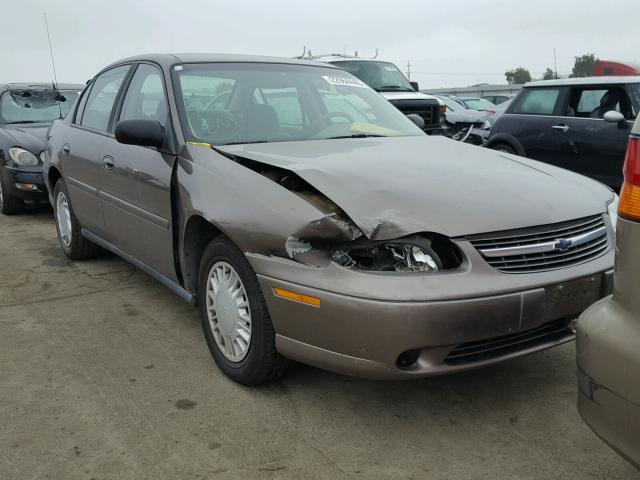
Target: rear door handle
{"type": "Point", "coordinates": [564, 128]}
{"type": "Point", "coordinates": [107, 162]}
{"type": "Point", "coordinates": [66, 149]}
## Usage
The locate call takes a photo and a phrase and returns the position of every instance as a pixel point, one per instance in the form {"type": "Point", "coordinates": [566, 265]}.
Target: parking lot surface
{"type": "Point", "coordinates": [105, 374]}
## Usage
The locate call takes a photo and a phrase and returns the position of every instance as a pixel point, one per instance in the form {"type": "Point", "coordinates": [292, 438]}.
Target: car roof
{"type": "Point", "coordinates": [584, 81]}
{"type": "Point", "coordinates": [342, 58]}
{"type": "Point", "coordinates": [38, 85]}
{"type": "Point", "coordinates": [166, 60]}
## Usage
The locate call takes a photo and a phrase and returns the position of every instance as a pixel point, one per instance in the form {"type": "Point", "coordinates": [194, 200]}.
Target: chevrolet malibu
{"type": "Point", "coordinates": [308, 219]}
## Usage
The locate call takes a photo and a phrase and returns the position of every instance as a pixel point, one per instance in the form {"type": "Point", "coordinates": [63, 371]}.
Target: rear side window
{"type": "Point", "coordinates": [538, 102]}
{"type": "Point", "coordinates": [104, 91]}
{"type": "Point", "coordinates": [145, 98]}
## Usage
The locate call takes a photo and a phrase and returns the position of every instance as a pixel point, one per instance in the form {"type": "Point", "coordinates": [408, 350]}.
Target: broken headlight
{"type": "Point", "coordinates": [410, 254]}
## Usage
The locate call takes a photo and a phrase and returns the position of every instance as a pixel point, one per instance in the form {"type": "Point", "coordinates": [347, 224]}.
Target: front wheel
{"type": "Point", "coordinates": [73, 244]}
{"type": "Point", "coordinates": [503, 147]}
{"type": "Point", "coordinates": [235, 319]}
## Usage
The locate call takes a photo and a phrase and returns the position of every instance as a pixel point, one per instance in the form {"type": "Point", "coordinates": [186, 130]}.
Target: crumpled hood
{"type": "Point", "coordinates": [396, 186]}
{"type": "Point", "coordinates": [28, 136]}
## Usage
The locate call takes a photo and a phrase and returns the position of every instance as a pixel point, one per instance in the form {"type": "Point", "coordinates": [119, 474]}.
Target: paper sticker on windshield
{"type": "Point", "coordinates": [390, 69]}
{"type": "Point", "coordinates": [345, 81]}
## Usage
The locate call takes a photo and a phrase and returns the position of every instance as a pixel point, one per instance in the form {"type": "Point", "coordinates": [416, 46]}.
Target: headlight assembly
{"type": "Point", "coordinates": [411, 254]}
{"type": "Point", "coordinates": [612, 210]}
{"type": "Point", "coordinates": [22, 157]}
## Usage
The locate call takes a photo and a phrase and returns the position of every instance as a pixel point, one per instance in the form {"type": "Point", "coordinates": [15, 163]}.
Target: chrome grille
{"type": "Point", "coordinates": [544, 248]}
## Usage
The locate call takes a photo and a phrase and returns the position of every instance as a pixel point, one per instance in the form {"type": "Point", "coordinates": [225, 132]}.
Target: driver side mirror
{"type": "Point", "coordinates": [144, 133]}
{"type": "Point", "coordinates": [415, 86]}
{"type": "Point", "coordinates": [417, 119]}
{"type": "Point", "coordinates": [613, 116]}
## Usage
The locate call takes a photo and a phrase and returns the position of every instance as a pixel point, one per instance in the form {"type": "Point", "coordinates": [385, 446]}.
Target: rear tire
{"type": "Point", "coordinates": [9, 205]}
{"type": "Point", "coordinates": [235, 319]}
{"type": "Point", "coordinates": [503, 147]}
{"type": "Point", "coordinates": [73, 244]}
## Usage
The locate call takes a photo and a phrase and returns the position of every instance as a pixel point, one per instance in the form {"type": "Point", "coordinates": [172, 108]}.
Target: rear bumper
{"type": "Point", "coordinates": [27, 184]}
{"type": "Point", "coordinates": [371, 338]}
{"type": "Point", "coordinates": [608, 358]}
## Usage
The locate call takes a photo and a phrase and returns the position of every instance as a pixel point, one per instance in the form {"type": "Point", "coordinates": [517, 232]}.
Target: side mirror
{"type": "Point", "coordinates": [613, 116]}
{"type": "Point", "coordinates": [415, 86]}
{"type": "Point", "coordinates": [417, 119]}
{"type": "Point", "coordinates": [145, 133]}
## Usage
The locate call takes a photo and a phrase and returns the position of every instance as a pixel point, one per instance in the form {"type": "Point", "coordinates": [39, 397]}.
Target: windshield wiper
{"type": "Point", "coordinates": [355, 135]}
{"type": "Point", "coordinates": [245, 143]}
{"type": "Point", "coordinates": [395, 87]}
{"type": "Point", "coordinates": [20, 121]}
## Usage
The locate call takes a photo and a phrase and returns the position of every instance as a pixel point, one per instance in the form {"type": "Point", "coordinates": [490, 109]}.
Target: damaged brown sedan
{"type": "Point", "coordinates": [310, 220]}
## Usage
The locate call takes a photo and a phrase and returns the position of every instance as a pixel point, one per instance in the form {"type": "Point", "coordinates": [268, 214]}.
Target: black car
{"type": "Point", "coordinates": [26, 113]}
{"type": "Point", "coordinates": [581, 124]}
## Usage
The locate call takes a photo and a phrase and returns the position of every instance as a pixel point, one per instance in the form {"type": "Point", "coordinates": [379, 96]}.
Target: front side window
{"type": "Point", "coordinates": [145, 98]}
{"type": "Point", "coordinates": [105, 88]}
{"type": "Point", "coordinates": [35, 105]}
{"type": "Point", "coordinates": [537, 101]}
{"type": "Point", "coordinates": [595, 102]}
{"type": "Point", "coordinates": [222, 103]}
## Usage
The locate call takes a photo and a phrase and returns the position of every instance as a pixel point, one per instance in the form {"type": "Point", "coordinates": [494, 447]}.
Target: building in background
{"type": "Point", "coordinates": [609, 67]}
{"type": "Point", "coordinates": [481, 90]}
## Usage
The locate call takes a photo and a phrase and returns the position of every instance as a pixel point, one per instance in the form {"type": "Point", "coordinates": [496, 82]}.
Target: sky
{"type": "Point", "coordinates": [448, 43]}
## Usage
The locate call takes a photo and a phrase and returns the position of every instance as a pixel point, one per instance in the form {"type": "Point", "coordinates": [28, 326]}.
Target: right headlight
{"type": "Point", "coordinates": [22, 157]}
{"type": "Point", "coordinates": [410, 254]}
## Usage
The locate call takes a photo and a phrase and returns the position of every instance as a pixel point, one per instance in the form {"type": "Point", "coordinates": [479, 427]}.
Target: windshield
{"type": "Point", "coordinates": [478, 104]}
{"type": "Point", "coordinates": [451, 104]}
{"type": "Point", "coordinates": [31, 105]}
{"type": "Point", "coordinates": [224, 103]}
{"type": "Point", "coordinates": [381, 76]}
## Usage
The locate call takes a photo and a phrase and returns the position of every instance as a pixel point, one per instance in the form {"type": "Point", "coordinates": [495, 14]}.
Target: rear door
{"type": "Point", "coordinates": [533, 121]}
{"type": "Point", "coordinates": [136, 181]}
{"type": "Point", "coordinates": [83, 143]}
{"type": "Point", "coordinates": [592, 146]}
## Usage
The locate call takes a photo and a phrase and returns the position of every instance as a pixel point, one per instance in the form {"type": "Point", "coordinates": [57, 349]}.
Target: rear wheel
{"type": "Point", "coordinates": [235, 319]}
{"type": "Point", "coordinates": [9, 205]}
{"type": "Point", "coordinates": [73, 244]}
{"type": "Point", "coordinates": [503, 147]}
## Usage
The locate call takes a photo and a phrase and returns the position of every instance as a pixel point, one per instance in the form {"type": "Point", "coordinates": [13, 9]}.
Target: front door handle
{"type": "Point", "coordinates": [66, 149]}
{"type": "Point", "coordinates": [107, 162]}
{"type": "Point", "coordinates": [564, 128]}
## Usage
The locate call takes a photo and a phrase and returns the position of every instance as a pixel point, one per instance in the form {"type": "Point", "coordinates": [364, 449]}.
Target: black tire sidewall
{"type": "Point", "coordinates": [262, 334]}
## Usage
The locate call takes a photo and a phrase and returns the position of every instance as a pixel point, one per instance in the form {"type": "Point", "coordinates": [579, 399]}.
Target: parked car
{"type": "Point", "coordinates": [474, 103]}
{"type": "Point", "coordinates": [490, 117]}
{"type": "Point", "coordinates": [309, 219]}
{"type": "Point", "coordinates": [581, 124]}
{"type": "Point", "coordinates": [499, 99]}
{"type": "Point", "coordinates": [608, 336]}
{"type": "Point", "coordinates": [459, 117]}
{"type": "Point", "coordinates": [390, 82]}
{"type": "Point", "coordinates": [26, 112]}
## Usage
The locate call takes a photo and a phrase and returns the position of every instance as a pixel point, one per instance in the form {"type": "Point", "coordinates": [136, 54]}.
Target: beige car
{"type": "Point", "coordinates": [608, 337]}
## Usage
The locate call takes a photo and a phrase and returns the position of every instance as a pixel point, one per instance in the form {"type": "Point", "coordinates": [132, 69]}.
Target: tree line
{"type": "Point", "coordinates": [583, 67]}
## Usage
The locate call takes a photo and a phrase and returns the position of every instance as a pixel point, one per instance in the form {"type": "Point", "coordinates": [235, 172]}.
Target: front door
{"type": "Point", "coordinates": [136, 181]}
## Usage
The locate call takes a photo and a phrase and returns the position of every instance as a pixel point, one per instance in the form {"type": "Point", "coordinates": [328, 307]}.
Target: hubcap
{"type": "Point", "coordinates": [228, 311]}
{"type": "Point", "coordinates": [63, 218]}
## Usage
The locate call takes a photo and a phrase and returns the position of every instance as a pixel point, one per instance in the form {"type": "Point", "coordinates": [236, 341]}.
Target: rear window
{"type": "Point", "coordinates": [538, 101]}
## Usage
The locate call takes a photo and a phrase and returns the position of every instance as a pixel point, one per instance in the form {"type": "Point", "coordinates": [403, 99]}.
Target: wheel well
{"type": "Point", "coordinates": [197, 235]}
{"type": "Point", "coordinates": [54, 176]}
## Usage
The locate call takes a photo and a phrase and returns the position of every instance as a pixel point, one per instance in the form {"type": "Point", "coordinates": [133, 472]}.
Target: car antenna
{"type": "Point", "coordinates": [53, 64]}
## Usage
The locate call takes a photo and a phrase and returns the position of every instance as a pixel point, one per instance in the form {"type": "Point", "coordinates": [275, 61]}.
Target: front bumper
{"type": "Point", "coordinates": [26, 184]}
{"type": "Point", "coordinates": [371, 337]}
{"type": "Point", "coordinates": [608, 360]}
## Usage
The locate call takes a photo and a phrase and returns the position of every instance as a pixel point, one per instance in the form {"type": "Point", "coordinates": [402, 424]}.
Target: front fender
{"type": "Point", "coordinates": [509, 140]}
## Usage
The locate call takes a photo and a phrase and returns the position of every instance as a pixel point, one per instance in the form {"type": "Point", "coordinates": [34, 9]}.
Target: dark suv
{"type": "Point", "coordinates": [581, 124]}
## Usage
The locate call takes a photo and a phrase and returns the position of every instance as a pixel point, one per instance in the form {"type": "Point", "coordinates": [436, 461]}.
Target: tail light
{"type": "Point", "coordinates": [629, 206]}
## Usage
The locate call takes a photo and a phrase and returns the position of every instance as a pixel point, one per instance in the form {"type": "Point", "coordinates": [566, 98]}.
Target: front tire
{"type": "Point", "coordinates": [503, 147]}
{"type": "Point", "coordinates": [9, 205]}
{"type": "Point", "coordinates": [73, 244]}
{"type": "Point", "coordinates": [235, 319]}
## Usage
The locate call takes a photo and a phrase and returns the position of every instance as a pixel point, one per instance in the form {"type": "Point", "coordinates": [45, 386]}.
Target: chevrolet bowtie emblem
{"type": "Point", "coordinates": [562, 245]}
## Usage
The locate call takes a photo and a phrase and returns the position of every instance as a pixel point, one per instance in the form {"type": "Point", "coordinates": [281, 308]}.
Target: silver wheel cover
{"type": "Point", "coordinates": [63, 219]}
{"type": "Point", "coordinates": [1, 197]}
{"type": "Point", "coordinates": [228, 311]}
